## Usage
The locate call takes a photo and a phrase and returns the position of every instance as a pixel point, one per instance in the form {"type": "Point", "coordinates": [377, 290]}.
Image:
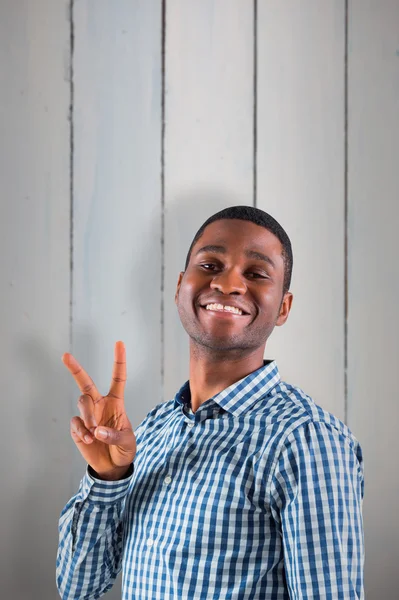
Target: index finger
{"type": "Point", "coordinates": [119, 371]}
{"type": "Point", "coordinates": [84, 381]}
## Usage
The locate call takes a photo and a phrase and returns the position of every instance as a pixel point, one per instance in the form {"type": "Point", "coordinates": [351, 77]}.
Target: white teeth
{"type": "Point", "coordinates": [222, 308]}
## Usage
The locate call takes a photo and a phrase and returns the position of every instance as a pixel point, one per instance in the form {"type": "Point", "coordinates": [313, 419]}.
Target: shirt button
{"type": "Point", "coordinates": [190, 424]}
{"type": "Point", "coordinates": [168, 479]}
{"type": "Point", "coordinates": [150, 542]}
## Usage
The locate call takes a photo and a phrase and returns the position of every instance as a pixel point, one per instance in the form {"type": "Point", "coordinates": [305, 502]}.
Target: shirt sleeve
{"type": "Point", "coordinates": [316, 498]}
{"type": "Point", "coordinates": [91, 536]}
{"type": "Point", "coordinates": [90, 548]}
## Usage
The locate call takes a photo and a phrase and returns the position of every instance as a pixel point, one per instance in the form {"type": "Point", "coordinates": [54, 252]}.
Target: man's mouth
{"type": "Point", "coordinates": [225, 309]}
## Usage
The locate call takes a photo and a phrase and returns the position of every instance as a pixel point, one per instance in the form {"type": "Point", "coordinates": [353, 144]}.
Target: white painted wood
{"type": "Point", "coordinates": [34, 275]}
{"type": "Point", "coordinates": [373, 277]}
{"type": "Point", "coordinates": [209, 144]}
{"type": "Point", "coordinates": [300, 182]}
{"type": "Point", "coordinates": [208, 165]}
{"type": "Point", "coordinates": [117, 199]}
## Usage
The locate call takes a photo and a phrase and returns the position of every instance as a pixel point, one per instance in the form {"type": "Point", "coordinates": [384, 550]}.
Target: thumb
{"type": "Point", "coordinates": [124, 438]}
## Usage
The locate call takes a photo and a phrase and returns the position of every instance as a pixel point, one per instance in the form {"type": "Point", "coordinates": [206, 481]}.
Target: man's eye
{"type": "Point", "coordinates": [255, 275]}
{"type": "Point", "coordinates": [208, 266]}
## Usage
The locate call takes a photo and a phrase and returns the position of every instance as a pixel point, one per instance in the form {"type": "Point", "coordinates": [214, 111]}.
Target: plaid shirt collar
{"type": "Point", "coordinates": [240, 396]}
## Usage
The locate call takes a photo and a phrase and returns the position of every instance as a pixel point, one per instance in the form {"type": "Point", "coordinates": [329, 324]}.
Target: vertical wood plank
{"type": "Point", "coordinates": [300, 181]}
{"type": "Point", "coordinates": [373, 325]}
{"type": "Point", "coordinates": [35, 278]}
{"type": "Point", "coordinates": [208, 144]}
{"type": "Point", "coordinates": [117, 199]}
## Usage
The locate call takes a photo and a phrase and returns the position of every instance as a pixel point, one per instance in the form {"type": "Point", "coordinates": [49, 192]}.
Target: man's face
{"type": "Point", "coordinates": [231, 295]}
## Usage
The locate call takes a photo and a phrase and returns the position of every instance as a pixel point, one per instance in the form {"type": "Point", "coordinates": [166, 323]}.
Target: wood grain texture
{"type": "Point", "coordinates": [373, 324]}
{"type": "Point", "coordinates": [300, 182]}
{"type": "Point", "coordinates": [34, 269]}
{"type": "Point", "coordinates": [208, 143]}
{"type": "Point", "coordinates": [117, 200]}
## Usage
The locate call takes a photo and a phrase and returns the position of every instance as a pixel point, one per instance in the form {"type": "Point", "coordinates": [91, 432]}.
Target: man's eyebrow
{"type": "Point", "coordinates": [212, 248]}
{"type": "Point", "coordinates": [249, 253]}
{"type": "Point", "coordinates": [260, 256]}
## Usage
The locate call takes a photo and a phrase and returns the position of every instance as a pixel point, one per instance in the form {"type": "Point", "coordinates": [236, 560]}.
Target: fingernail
{"type": "Point", "coordinates": [88, 439]}
{"type": "Point", "coordinates": [102, 432]}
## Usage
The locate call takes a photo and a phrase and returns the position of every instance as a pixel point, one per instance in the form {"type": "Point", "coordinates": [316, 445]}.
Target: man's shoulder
{"type": "Point", "coordinates": [301, 410]}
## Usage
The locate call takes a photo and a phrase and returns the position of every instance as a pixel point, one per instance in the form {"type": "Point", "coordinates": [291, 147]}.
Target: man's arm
{"type": "Point", "coordinates": [90, 549]}
{"type": "Point", "coordinates": [316, 497]}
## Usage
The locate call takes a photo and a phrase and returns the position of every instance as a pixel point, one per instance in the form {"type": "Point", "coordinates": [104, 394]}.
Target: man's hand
{"type": "Point", "coordinates": [103, 433]}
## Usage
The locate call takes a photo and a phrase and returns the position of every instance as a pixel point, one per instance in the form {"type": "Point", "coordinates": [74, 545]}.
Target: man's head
{"type": "Point", "coordinates": [234, 289]}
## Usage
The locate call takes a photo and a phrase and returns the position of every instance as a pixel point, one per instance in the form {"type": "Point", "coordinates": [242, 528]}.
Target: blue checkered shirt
{"type": "Point", "coordinates": [258, 496]}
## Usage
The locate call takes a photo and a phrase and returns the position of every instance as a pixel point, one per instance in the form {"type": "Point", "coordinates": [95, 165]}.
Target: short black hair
{"type": "Point", "coordinates": [259, 217]}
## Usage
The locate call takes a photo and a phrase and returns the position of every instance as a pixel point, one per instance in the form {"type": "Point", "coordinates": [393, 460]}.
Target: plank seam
{"type": "Point", "coordinates": [255, 107]}
{"type": "Point", "coordinates": [346, 300]}
{"type": "Point", "coordinates": [71, 166]}
{"type": "Point", "coordinates": [163, 50]}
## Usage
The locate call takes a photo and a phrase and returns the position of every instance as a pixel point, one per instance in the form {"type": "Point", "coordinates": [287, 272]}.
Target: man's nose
{"type": "Point", "coordinates": [229, 282]}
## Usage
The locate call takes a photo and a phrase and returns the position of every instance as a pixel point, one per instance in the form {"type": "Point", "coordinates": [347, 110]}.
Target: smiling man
{"type": "Point", "coordinates": [241, 487]}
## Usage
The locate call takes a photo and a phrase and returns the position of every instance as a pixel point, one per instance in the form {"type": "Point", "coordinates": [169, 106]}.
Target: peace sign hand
{"type": "Point", "coordinates": [103, 434]}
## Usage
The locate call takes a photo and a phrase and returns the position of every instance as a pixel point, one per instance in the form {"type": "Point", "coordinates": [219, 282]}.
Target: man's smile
{"type": "Point", "coordinates": [223, 311]}
{"type": "Point", "coordinates": [226, 307]}
{"type": "Point", "coordinates": [230, 305]}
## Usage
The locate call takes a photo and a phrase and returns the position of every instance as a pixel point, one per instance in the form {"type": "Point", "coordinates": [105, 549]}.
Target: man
{"type": "Point", "coordinates": [241, 487]}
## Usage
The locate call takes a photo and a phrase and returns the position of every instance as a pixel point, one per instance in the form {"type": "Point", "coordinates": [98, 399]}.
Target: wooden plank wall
{"type": "Point", "coordinates": [300, 181]}
{"type": "Point", "coordinates": [180, 108]}
{"type": "Point", "coordinates": [373, 219]}
{"type": "Point", "coordinates": [34, 278]}
{"type": "Point", "coordinates": [117, 194]}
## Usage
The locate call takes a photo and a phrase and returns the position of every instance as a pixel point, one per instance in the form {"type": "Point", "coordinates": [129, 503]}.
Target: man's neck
{"type": "Point", "coordinates": [212, 372]}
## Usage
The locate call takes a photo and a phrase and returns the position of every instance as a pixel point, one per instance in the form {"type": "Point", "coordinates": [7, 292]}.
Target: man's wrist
{"type": "Point", "coordinates": [114, 475]}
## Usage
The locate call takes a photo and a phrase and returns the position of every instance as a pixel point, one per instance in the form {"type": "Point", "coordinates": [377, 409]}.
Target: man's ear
{"type": "Point", "coordinates": [285, 308]}
{"type": "Point", "coordinates": [181, 275]}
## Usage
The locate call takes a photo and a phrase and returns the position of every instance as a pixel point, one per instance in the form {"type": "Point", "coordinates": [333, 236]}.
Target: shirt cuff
{"type": "Point", "coordinates": [98, 490]}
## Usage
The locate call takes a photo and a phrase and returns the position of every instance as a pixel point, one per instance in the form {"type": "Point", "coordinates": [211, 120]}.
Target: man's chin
{"type": "Point", "coordinates": [220, 343]}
